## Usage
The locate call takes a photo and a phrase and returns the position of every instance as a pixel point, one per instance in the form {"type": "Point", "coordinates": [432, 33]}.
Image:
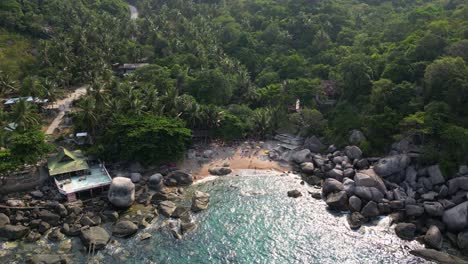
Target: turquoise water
{"type": "Point", "coordinates": [251, 220]}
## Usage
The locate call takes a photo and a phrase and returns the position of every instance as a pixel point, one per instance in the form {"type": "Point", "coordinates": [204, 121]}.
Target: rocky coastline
{"type": "Point", "coordinates": [423, 203]}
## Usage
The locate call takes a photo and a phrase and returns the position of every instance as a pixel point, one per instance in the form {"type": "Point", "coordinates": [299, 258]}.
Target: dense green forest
{"type": "Point", "coordinates": [392, 69]}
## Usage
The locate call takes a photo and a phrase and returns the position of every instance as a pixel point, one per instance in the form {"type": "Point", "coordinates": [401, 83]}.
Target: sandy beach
{"type": "Point", "coordinates": [247, 155]}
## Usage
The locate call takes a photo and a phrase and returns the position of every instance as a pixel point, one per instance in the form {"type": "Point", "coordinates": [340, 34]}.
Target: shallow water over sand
{"type": "Point", "coordinates": [251, 220]}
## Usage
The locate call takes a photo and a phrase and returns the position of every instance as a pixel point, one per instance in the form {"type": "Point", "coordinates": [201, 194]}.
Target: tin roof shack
{"type": "Point", "coordinates": [127, 68]}
{"type": "Point", "coordinates": [74, 173]}
{"type": "Point", "coordinates": [8, 104]}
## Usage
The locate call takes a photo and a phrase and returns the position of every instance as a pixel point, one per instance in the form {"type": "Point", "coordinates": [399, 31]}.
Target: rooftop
{"type": "Point", "coordinates": [28, 99]}
{"type": "Point", "coordinates": [67, 161]}
{"type": "Point", "coordinates": [98, 177]}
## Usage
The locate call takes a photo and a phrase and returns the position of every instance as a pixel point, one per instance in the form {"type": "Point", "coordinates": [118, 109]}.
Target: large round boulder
{"type": "Point", "coordinates": [456, 218]}
{"type": "Point", "coordinates": [155, 182]}
{"type": "Point", "coordinates": [302, 156]}
{"type": "Point", "coordinates": [95, 237]}
{"type": "Point", "coordinates": [391, 165]}
{"type": "Point", "coordinates": [178, 178]}
{"type": "Point", "coordinates": [121, 192]}
{"type": "Point", "coordinates": [124, 228]}
{"type": "Point", "coordinates": [307, 168]}
{"type": "Point", "coordinates": [371, 209]}
{"type": "Point", "coordinates": [368, 178]}
{"type": "Point", "coordinates": [353, 152]}
{"type": "Point", "coordinates": [200, 201]}
{"type": "Point", "coordinates": [330, 186]}
{"type": "Point", "coordinates": [135, 177]}
{"type": "Point", "coordinates": [4, 220]}
{"type": "Point", "coordinates": [356, 219]}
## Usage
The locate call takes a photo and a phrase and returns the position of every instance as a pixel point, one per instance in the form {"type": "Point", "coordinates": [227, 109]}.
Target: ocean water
{"type": "Point", "coordinates": [251, 220]}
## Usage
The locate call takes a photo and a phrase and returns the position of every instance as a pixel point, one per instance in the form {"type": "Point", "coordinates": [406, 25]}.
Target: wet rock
{"type": "Point", "coordinates": [356, 220]}
{"type": "Point", "coordinates": [56, 235]}
{"type": "Point", "coordinates": [392, 164]}
{"type": "Point", "coordinates": [456, 218]}
{"type": "Point", "coordinates": [459, 183]}
{"type": "Point", "coordinates": [49, 217]}
{"type": "Point", "coordinates": [61, 210]}
{"type": "Point", "coordinates": [355, 204]}
{"type": "Point", "coordinates": [180, 211]}
{"type": "Point", "coordinates": [43, 227]}
{"type": "Point", "coordinates": [348, 186]}
{"type": "Point", "coordinates": [178, 178]}
{"type": "Point", "coordinates": [368, 193]}
{"type": "Point", "coordinates": [433, 208]}
{"type": "Point", "coordinates": [47, 259]}
{"type": "Point", "coordinates": [316, 195]}
{"type": "Point", "coordinates": [200, 201]}
{"type": "Point", "coordinates": [135, 177]}
{"type": "Point", "coordinates": [405, 231]}
{"type": "Point", "coordinates": [335, 174]}
{"type": "Point", "coordinates": [307, 168]}
{"type": "Point", "coordinates": [433, 238]}
{"type": "Point", "coordinates": [110, 215]}
{"type": "Point", "coordinates": [435, 175]}
{"type": "Point", "coordinates": [294, 193]}
{"type": "Point", "coordinates": [4, 220]}
{"type": "Point", "coordinates": [145, 236]}
{"type": "Point", "coordinates": [437, 256]}
{"type": "Point", "coordinates": [349, 173]}
{"type": "Point", "coordinates": [32, 237]}
{"type": "Point", "coordinates": [338, 201]}
{"type": "Point", "coordinates": [155, 181]}
{"type": "Point", "coordinates": [94, 236]}
{"type": "Point", "coordinates": [219, 171]}
{"type": "Point", "coordinates": [371, 209]}
{"type": "Point", "coordinates": [368, 178]}
{"type": "Point", "coordinates": [71, 230]}
{"type": "Point", "coordinates": [462, 241]}
{"type": "Point", "coordinates": [302, 156]}
{"type": "Point", "coordinates": [167, 208]}
{"type": "Point", "coordinates": [353, 152]}
{"type": "Point", "coordinates": [330, 186]}
{"type": "Point", "coordinates": [414, 210]}
{"type": "Point", "coordinates": [121, 192]}
{"type": "Point", "coordinates": [186, 227]}
{"type": "Point", "coordinates": [124, 229]}
{"type": "Point", "coordinates": [13, 232]}
{"type": "Point", "coordinates": [37, 194]}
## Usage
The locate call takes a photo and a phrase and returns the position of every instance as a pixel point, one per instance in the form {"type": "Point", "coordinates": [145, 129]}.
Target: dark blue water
{"type": "Point", "coordinates": [251, 220]}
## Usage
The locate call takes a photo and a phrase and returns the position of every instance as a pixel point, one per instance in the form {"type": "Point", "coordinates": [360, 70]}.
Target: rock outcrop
{"type": "Point", "coordinates": [121, 192]}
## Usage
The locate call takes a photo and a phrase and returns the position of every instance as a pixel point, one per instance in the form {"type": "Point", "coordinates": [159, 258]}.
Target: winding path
{"type": "Point", "coordinates": [64, 105]}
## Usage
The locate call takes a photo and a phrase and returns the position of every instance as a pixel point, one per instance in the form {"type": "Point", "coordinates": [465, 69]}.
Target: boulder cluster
{"type": "Point", "coordinates": [422, 201]}
{"type": "Point", "coordinates": [96, 221]}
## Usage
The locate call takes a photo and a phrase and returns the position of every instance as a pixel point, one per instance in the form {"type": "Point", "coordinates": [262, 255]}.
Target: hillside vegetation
{"type": "Point", "coordinates": [393, 69]}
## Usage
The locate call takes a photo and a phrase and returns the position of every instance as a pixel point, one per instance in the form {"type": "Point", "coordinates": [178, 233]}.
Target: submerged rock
{"type": "Point", "coordinates": [200, 201]}
{"type": "Point", "coordinates": [47, 259]}
{"type": "Point", "coordinates": [294, 193]}
{"type": "Point", "coordinates": [405, 231]}
{"type": "Point", "coordinates": [121, 192]}
{"type": "Point", "coordinates": [437, 256]}
{"type": "Point", "coordinates": [95, 236]}
{"type": "Point", "coordinates": [219, 171]}
{"type": "Point", "coordinates": [178, 178]}
{"type": "Point", "coordinates": [124, 228]}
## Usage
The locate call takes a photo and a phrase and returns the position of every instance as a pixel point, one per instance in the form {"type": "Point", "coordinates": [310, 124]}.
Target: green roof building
{"type": "Point", "coordinates": [73, 173]}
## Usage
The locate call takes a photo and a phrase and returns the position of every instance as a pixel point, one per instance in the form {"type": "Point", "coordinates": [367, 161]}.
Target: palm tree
{"type": "Point", "coordinates": [88, 115]}
{"type": "Point", "coordinates": [24, 115]}
{"type": "Point", "coordinates": [7, 84]}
